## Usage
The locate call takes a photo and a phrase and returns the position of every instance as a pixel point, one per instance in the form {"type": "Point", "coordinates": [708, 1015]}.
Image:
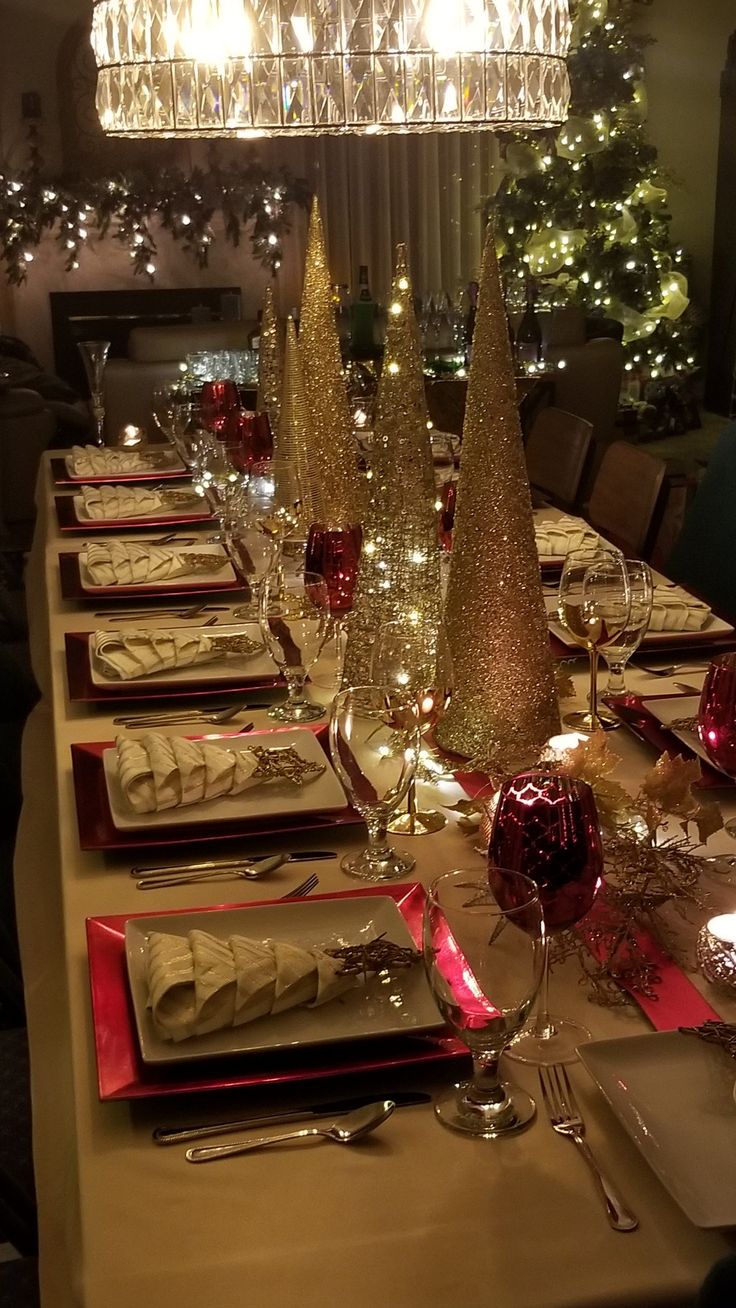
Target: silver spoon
{"type": "Point", "coordinates": [249, 872]}
{"type": "Point", "coordinates": [348, 1129]}
{"type": "Point", "coordinates": [173, 718]}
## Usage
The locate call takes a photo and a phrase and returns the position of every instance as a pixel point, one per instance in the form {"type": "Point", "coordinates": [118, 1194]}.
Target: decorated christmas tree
{"type": "Point", "coordinates": [584, 213]}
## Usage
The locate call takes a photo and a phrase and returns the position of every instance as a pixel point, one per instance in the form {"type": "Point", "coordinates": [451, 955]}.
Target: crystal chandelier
{"type": "Point", "coordinates": [247, 68]}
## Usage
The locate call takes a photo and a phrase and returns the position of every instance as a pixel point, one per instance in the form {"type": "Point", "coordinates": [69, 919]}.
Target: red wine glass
{"type": "Point", "coordinates": [334, 553]}
{"type": "Point", "coordinates": [216, 401]}
{"type": "Point", "coordinates": [546, 827]}
{"type": "Point", "coordinates": [717, 718]}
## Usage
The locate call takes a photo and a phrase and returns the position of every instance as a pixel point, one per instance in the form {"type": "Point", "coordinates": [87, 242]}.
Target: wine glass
{"type": "Point", "coordinates": [94, 357]}
{"type": "Point", "coordinates": [717, 719]}
{"type": "Point", "coordinates": [171, 409]}
{"type": "Point", "coordinates": [546, 826]}
{"type": "Point", "coordinates": [294, 613]}
{"type": "Point", "coordinates": [414, 657]}
{"type": "Point", "coordinates": [216, 400]}
{"type": "Point", "coordinates": [484, 956]}
{"type": "Point", "coordinates": [223, 485]}
{"type": "Point", "coordinates": [618, 652]}
{"type": "Point", "coordinates": [334, 553]}
{"type": "Point", "coordinates": [274, 498]}
{"type": "Point", "coordinates": [374, 743]}
{"type": "Point", "coordinates": [593, 605]}
{"type": "Point", "coordinates": [253, 556]}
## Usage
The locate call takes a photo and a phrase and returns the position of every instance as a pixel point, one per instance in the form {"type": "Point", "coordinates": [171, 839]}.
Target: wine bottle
{"type": "Point", "coordinates": [473, 288]}
{"type": "Point", "coordinates": [529, 332]}
{"type": "Point", "coordinates": [363, 318]}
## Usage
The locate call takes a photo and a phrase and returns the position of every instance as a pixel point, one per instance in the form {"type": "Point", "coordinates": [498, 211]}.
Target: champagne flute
{"type": "Point", "coordinates": [618, 652]}
{"type": "Point", "coordinates": [484, 956]}
{"type": "Point", "coordinates": [374, 743]}
{"type": "Point", "coordinates": [546, 826]}
{"type": "Point", "coordinates": [593, 605]}
{"type": "Point", "coordinates": [414, 657]}
{"type": "Point", "coordinates": [94, 357]}
{"type": "Point", "coordinates": [294, 613]}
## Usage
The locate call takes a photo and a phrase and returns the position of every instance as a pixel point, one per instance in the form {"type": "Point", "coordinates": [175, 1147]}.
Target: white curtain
{"type": "Point", "coordinates": [425, 190]}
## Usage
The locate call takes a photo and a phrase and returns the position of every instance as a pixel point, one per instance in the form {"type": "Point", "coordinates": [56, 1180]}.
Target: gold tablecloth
{"type": "Point", "coordinates": [420, 1217]}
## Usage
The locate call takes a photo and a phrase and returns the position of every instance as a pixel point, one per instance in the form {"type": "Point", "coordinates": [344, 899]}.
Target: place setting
{"type": "Point", "coordinates": [95, 465]}
{"type": "Point", "coordinates": [114, 507]}
{"type": "Point", "coordinates": [107, 570]}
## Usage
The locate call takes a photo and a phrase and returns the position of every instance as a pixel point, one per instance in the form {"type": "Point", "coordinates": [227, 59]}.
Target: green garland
{"type": "Point", "coordinates": [597, 182]}
{"type": "Point", "coordinates": [131, 207]}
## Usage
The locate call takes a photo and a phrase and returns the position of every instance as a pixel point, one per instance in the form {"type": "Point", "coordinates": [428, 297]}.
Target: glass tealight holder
{"type": "Point", "coordinates": [716, 951]}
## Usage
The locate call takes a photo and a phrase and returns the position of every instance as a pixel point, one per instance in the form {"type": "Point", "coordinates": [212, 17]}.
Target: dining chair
{"type": "Point", "coordinates": [704, 556]}
{"type": "Point", "coordinates": [18, 1221]}
{"type": "Point", "coordinates": [19, 1283]}
{"type": "Point", "coordinates": [556, 451]}
{"type": "Point", "coordinates": [626, 497]}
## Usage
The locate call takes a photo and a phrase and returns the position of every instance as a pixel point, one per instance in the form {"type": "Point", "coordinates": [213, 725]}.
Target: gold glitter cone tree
{"type": "Point", "coordinates": [400, 561]}
{"type": "Point", "coordinates": [333, 446]}
{"type": "Point", "coordinates": [270, 361]}
{"type": "Point", "coordinates": [504, 696]}
{"type": "Point", "coordinates": [292, 440]}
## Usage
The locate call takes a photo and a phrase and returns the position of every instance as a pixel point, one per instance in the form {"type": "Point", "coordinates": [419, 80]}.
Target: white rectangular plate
{"type": "Point", "coordinates": [178, 509]}
{"type": "Point", "coordinates": [402, 1005]}
{"type": "Point", "coordinates": [166, 461]}
{"type": "Point", "coordinates": [274, 798]}
{"type": "Point", "coordinates": [669, 710]}
{"type": "Point", "coordinates": [713, 627]}
{"type": "Point", "coordinates": [223, 572]}
{"type": "Point", "coordinates": [206, 674]}
{"type": "Point", "coordinates": [674, 1095]}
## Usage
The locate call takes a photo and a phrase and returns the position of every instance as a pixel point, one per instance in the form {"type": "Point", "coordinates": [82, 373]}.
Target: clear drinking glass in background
{"type": "Point", "coordinates": [618, 651]}
{"type": "Point", "coordinates": [414, 658]}
{"type": "Point", "coordinates": [172, 409]}
{"type": "Point", "coordinates": [294, 613]}
{"type": "Point", "coordinates": [593, 606]}
{"type": "Point", "coordinates": [484, 952]}
{"type": "Point", "coordinates": [94, 357]}
{"type": "Point", "coordinates": [374, 743]}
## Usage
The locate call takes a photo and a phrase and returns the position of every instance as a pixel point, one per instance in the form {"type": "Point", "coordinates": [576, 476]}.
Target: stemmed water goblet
{"type": "Point", "coordinates": [274, 498]}
{"type": "Point", "coordinates": [94, 357]}
{"type": "Point", "coordinates": [414, 657]}
{"type": "Point", "coordinates": [620, 649]}
{"type": "Point", "coordinates": [593, 605]}
{"type": "Point", "coordinates": [253, 556]}
{"type": "Point", "coordinates": [171, 409]}
{"type": "Point", "coordinates": [374, 744]}
{"type": "Point", "coordinates": [484, 956]}
{"type": "Point", "coordinates": [546, 827]}
{"type": "Point", "coordinates": [294, 612]}
{"type": "Point", "coordinates": [334, 553]}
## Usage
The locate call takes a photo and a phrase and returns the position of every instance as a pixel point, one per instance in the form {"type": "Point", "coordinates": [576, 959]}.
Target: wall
{"type": "Point", "coordinates": [683, 78]}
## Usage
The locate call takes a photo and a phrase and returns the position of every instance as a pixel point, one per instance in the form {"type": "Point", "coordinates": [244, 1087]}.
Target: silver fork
{"type": "Point", "coordinates": [670, 670]}
{"type": "Point", "coordinates": [305, 887]}
{"type": "Point", "coordinates": [565, 1118]}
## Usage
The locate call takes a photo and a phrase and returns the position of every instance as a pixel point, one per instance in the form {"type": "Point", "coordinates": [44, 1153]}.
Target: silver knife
{"type": "Point", "coordinates": [221, 864]}
{"type": "Point", "coordinates": [168, 1135]}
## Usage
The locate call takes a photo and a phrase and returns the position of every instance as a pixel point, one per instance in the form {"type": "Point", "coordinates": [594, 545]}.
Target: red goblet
{"type": "Point", "coordinates": [215, 403]}
{"type": "Point", "coordinates": [334, 553]}
{"type": "Point", "coordinates": [717, 713]}
{"type": "Point", "coordinates": [546, 826]}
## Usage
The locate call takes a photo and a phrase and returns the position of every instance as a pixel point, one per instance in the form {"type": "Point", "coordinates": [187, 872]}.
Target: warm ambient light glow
{"type": "Point", "coordinates": [230, 68]}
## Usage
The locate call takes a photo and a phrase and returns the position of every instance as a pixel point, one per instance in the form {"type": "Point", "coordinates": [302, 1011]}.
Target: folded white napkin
{"type": "Point", "coordinates": [123, 563]}
{"type": "Point", "coordinates": [557, 539]}
{"type": "Point", "coordinates": [126, 655]}
{"type": "Point", "coordinates": [197, 983]}
{"type": "Point", "coordinates": [675, 610]}
{"type": "Point", "coordinates": [162, 772]}
{"type": "Point", "coordinates": [91, 461]}
{"type": "Point", "coordinates": [113, 502]}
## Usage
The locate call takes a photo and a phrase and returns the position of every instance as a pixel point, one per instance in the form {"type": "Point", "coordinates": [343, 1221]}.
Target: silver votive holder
{"type": "Point", "coordinates": [716, 951]}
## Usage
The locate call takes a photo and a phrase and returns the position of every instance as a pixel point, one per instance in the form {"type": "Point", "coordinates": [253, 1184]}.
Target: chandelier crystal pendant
{"type": "Point", "coordinates": [249, 68]}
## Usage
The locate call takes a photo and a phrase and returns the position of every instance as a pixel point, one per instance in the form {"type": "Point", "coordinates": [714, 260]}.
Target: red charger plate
{"type": "Point", "coordinates": [636, 716]}
{"type": "Point", "coordinates": [72, 588]}
{"type": "Point", "coordinates": [69, 522]}
{"type": "Point", "coordinates": [82, 689]}
{"type": "Point", "coordinates": [122, 1074]}
{"type": "Point", "coordinates": [97, 830]}
{"type": "Point", "coordinates": [61, 476]}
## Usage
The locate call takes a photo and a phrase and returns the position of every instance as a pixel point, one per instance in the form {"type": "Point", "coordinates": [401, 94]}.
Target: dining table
{"type": "Point", "coordinates": [414, 1217]}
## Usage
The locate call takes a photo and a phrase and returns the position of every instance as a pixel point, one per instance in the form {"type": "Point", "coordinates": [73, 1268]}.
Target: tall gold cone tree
{"type": "Point", "coordinates": [293, 438]}
{"type": "Point", "coordinates": [270, 362]}
{"type": "Point", "coordinates": [400, 561]}
{"type": "Point", "coordinates": [333, 447]}
{"type": "Point", "coordinates": [503, 699]}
